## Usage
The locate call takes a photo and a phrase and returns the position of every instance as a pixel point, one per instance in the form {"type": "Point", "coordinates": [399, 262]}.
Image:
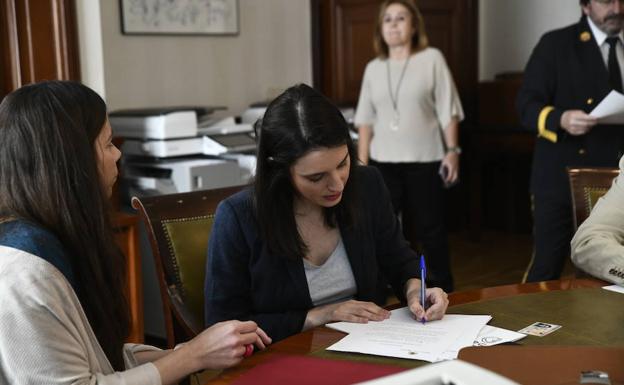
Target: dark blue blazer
{"type": "Point", "coordinates": [246, 282]}
{"type": "Point", "coordinates": [566, 71]}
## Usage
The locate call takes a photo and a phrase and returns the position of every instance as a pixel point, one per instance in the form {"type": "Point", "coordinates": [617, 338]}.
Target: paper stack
{"type": "Point", "coordinates": [403, 337]}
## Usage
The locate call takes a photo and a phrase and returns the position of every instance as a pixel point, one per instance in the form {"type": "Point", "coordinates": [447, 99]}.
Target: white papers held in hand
{"type": "Point", "coordinates": [610, 110]}
{"type": "Point", "coordinates": [403, 337]}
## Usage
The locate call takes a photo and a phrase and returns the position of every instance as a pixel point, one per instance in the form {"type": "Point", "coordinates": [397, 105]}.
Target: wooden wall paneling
{"type": "Point", "coordinates": [9, 63]}
{"type": "Point", "coordinates": [452, 28]}
{"type": "Point", "coordinates": [39, 42]}
{"type": "Point", "coordinates": [346, 34]}
{"type": "Point", "coordinates": [354, 45]}
{"type": "Point", "coordinates": [47, 40]}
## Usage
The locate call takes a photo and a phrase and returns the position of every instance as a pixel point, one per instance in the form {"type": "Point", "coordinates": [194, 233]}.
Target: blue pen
{"type": "Point", "coordinates": [423, 286]}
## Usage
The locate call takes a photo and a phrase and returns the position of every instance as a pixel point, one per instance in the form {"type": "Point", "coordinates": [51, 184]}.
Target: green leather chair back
{"type": "Point", "coordinates": [188, 241]}
{"type": "Point", "coordinates": [179, 226]}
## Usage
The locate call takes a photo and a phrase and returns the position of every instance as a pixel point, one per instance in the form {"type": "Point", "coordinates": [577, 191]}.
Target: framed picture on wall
{"type": "Point", "coordinates": [179, 17]}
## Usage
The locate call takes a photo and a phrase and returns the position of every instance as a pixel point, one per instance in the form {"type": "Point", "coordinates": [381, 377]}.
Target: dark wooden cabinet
{"type": "Point", "coordinates": [38, 41]}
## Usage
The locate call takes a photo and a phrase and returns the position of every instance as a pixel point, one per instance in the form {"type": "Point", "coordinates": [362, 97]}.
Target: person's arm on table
{"type": "Point", "coordinates": [348, 311]}
{"type": "Point", "coordinates": [436, 298]}
{"type": "Point", "coordinates": [399, 263]}
{"type": "Point", "coordinates": [228, 282]}
{"type": "Point", "coordinates": [598, 245]}
{"type": "Point", "coordinates": [218, 347]}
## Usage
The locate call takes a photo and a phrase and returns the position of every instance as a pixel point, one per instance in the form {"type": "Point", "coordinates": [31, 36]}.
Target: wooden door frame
{"type": "Point", "coordinates": [9, 65]}
{"type": "Point", "coordinates": [18, 64]}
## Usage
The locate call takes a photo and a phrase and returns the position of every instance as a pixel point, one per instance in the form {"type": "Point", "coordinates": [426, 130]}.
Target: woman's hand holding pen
{"type": "Point", "coordinates": [349, 311]}
{"type": "Point", "coordinates": [436, 298]}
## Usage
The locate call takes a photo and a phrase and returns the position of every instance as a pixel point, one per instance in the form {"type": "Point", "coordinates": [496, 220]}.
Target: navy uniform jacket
{"type": "Point", "coordinates": [566, 71]}
{"type": "Point", "coordinates": [246, 282]}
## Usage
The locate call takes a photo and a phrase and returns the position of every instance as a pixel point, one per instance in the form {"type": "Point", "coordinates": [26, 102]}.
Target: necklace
{"type": "Point", "coordinates": [394, 97]}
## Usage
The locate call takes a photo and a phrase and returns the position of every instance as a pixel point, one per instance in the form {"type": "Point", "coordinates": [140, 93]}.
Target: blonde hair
{"type": "Point", "coordinates": [420, 40]}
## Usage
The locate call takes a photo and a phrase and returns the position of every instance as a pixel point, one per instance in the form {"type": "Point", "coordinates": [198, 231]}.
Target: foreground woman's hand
{"type": "Point", "coordinates": [349, 311]}
{"type": "Point", "coordinates": [220, 346]}
{"type": "Point", "coordinates": [435, 297]}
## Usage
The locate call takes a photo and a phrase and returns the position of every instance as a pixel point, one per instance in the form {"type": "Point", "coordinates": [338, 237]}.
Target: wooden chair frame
{"type": "Point", "coordinates": [181, 325]}
{"type": "Point", "coordinates": [585, 183]}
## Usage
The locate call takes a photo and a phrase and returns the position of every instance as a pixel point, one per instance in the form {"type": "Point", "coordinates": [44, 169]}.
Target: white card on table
{"type": "Point", "coordinates": [539, 329]}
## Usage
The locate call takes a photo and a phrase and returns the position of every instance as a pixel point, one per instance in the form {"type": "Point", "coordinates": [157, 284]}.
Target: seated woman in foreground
{"type": "Point", "coordinates": [315, 239]}
{"type": "Point", "coordinates": [598, 245]}
{"type": "Point", "coordinates": [63, 312]}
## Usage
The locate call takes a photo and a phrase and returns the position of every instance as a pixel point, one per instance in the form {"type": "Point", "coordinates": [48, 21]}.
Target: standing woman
{"type": "Point", "coordinates": [63, 312]}
{"type": "Point", "coordinates": [407, 116]}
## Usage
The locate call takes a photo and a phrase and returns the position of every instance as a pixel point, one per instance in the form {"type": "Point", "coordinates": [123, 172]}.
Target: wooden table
{"type": "Point", "coordinates": [313, 342]}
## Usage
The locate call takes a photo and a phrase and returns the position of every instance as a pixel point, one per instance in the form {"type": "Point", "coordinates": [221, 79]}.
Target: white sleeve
{"type": "Point", "coordinates": [365, 112]}
{"type": "Point", "coordinates": [598, 245]}
{"type": "Point", "coordinates": [44, 335]}
{"type": "Point", "coordinates": [447, 102]}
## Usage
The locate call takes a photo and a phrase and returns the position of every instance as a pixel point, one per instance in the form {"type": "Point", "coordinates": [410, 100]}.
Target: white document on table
{"type": "Point", "coordinates": [403, 337]}
{"type": "Point", "coordinates": [615, 288]}
{"type": "Point", "coordinates": [492, 335]}
{"type": "Point", "coordinates": [488, 335]}
{"type": "Point", "coordinates": [611, 109]}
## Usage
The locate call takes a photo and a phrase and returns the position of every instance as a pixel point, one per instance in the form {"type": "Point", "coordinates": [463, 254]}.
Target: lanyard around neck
{"type": "Point", "coordinates": [394, 98]}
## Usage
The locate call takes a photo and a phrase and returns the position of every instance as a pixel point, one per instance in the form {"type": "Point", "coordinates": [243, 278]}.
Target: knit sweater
{"type": "Point", "coordinates": [45, 337]}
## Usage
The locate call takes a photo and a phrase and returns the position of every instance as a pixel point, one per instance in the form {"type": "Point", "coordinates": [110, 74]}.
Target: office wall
{"type": "Point", "coordinates": [272, 51]}
{"type": "Point", "coordinates": [89, 25]}
{"type": "Point", "coordinates": [509, 29]}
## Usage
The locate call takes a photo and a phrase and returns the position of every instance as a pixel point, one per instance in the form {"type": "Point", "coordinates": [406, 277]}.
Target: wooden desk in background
{"type": "Point", "coordinates": [313, 342]}
{"type": "Point", "coordinates": [126, 230]}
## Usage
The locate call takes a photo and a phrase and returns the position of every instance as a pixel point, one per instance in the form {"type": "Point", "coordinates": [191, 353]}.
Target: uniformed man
{"type": "Point", "coordinates": [569, 72]}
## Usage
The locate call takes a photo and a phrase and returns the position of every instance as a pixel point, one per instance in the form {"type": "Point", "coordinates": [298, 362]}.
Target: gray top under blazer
{"type": "Point", "coordinates": [246, 282]}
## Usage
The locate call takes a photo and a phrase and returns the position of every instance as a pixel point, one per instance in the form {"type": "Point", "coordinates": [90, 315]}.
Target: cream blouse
{"type": "Point", "coordinates": [427, 101]}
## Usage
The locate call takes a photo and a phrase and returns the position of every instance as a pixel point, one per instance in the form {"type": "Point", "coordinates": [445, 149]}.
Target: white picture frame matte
{"type": "Point", "coordinates": [179, 17]}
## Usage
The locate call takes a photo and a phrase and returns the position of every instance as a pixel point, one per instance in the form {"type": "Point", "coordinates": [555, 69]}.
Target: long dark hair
{"type": "Point", "coordinates": [296, 122]}
{"type": "Point", "coordinates": [49, 176]}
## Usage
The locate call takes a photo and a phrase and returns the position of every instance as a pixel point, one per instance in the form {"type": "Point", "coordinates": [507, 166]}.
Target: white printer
{"type": "Point", "coordinates": [227, 137]}
{"type": "Point", "coordinates": [169, 150]}
{"type": "Point", "coordinates": [157, 123]}
{"type": "Point", "coordinates": [180, 131]}
{"type": "Point", "coordinates": [183, 175]}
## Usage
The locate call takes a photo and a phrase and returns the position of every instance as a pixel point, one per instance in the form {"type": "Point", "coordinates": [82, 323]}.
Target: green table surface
{"type": "Point", "coordinates": [588, 316]}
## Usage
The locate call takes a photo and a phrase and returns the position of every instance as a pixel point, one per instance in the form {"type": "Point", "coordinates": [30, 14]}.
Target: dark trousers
{"type": "Point", "coordinates": [417, 192]}
{"type": "Point", "coordinates": [552, 233]}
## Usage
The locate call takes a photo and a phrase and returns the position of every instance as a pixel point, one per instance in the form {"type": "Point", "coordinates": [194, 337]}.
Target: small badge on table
{"type": "Point", "coordinates": [539, 329]}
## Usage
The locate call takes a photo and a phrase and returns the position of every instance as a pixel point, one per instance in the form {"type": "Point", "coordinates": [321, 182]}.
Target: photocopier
{"type": "Point", "coordinates": [182, 149]}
